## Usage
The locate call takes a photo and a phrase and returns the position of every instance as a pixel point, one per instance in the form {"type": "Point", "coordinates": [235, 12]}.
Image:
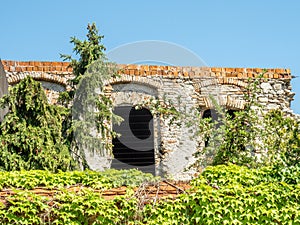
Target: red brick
{"type": "Point", "coordinates": [65, 64]}
{"type": "Point", "coordinates": [279, 71]}
{"type": "Point", "coordinates": [130, 66]}
{"type": "Point", "coordinates": [271, 70]}
{"type": "Point", "coordinates": [229, 69]}
{"type": "Point", "coordinates": [258, 70]}
{"type": "Point", "coordinates": [23, 63]}
{"type": "Point", "coordinates": [153, 67]}
{"type": "Point", "coordinates": [131, 72]}
{"type": "Point", "coordinates": [58, 68]}
{"type": "Point", "coordinates": [240, 75]}
{"type": "Point", "coordinates": [11, 63]}
{"type": "Point", "coordinates": [47, 64]}
{"type": "Point", "coordinates": [229, 74]}
{"type": "Point", "coordinates": [153, 72]}
{"type": "Point", "coordinates": [239, 70]}
{"type": "Point", "coordinates": [136, 72]}
{"type": "Point", "coordinates": [46, 68]}
{"type": "Point", "coordinates": [37, 64]}
{"type": "Point", "coordinates": [215, 69]}
{"type": "Point", "coordinates": [144, 67]}
{"type": "Point", "coordinates": [249, 74]}
{"type": "Point", "coordinates": [170, 73]}
{"type": "Point", "coordinates": [58, 64]}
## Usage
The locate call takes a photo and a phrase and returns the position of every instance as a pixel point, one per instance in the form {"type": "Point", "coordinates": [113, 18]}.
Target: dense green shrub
{"type": "Point", "coordinates": [231, 195]}
{"type": "Point", "coordinates": [221, 195]}
{"type": "Point", "coordinates": [97, 180]}
{"type": "Point", "coordinates": [31, 134]}
{"type": "Point", "coordinates": [252, 137]}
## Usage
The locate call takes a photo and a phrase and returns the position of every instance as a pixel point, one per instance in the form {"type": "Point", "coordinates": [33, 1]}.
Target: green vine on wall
{"type": "Point", "coordinates": [252, 136]}
{"type": "Point", "coordinates": [162, 108]}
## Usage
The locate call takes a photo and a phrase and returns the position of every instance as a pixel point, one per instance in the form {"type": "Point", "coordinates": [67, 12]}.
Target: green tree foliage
{"type": "Point", "coordinates": [31, 132]}
{"type": "Point", "coordinates": [281, 139]}
{"type": "Point", "coordinates": [91, 108]}
{"type": "Point", "coordinates": [88, 51]}
{"type": "Point", "coordinates": [251, 137]}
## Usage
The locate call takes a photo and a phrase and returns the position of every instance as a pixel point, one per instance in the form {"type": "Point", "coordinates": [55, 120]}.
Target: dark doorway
{"type": "Point", "coordinates": [215, 116]}
{"type": "Point", "coordinates": [135, 147]}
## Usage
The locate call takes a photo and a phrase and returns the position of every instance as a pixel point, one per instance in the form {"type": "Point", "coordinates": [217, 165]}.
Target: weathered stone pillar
{"type": "Point", "coordinates": [3, 89]}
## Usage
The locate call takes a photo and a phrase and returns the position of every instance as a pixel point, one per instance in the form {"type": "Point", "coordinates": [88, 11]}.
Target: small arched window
{"type": "Point", "coordinates": [215, 116]}
{"type": "Point", "coordinates": [135, 147]}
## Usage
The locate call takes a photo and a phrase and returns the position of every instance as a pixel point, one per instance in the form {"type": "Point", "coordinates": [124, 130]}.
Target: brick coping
{"type": "Point", "coordinates": [149, 70]}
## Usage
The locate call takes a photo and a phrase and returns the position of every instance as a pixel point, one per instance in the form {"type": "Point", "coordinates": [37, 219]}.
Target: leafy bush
{"type": "Point", "coordinates": [85, 207]}
{"type": "Point", "coordinates": [221, 195]}
{"type": "Point", "coordinates": [231, 195]}
{"type": "Point", "coordinates": [97, 180]}
{"type": "Point", "coordinates": [252, 137]}
{"type": "Point", "coordinates": [31, 133]}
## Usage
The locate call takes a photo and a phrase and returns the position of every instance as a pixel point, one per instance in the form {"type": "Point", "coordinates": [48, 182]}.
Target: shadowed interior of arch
{"type": "Point", "coordinates": [215, 116]}
{"type": "Point", "coordinates": [129, 156]}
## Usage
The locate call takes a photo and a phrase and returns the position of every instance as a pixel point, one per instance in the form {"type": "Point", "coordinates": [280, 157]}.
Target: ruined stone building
{"type": "Point", "coordinates": [169, 149]}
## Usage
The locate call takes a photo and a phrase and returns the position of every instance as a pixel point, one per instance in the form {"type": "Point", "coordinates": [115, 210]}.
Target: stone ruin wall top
{"type": "Point", "coordinates": [192, 84]}
{"type": "Point", "coordinates": [59, 72]}
{"type": "Point", "coordinates": [55, 75]}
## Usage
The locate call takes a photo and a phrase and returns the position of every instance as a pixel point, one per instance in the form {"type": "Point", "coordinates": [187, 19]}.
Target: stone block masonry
{"type": "Point", "coordinates": [188, 88]}
{"type": "Point", "coordinates": [3, 89]}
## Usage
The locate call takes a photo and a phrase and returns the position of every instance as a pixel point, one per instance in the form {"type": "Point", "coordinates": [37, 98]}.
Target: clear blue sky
{"type": "Point", "coordinates": [230, 33]}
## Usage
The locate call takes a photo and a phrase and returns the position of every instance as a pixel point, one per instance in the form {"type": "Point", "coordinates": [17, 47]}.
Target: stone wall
{"type": "Point", "coordinates": [276, 94]}
{"type": "Point", "coordinates": [3, 88]}
{"type": "Point", "coordinates": [188, 88]}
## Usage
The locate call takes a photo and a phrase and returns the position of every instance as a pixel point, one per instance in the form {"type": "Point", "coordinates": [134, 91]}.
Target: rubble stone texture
{"type": "Point", "coordinates": [188, 88]}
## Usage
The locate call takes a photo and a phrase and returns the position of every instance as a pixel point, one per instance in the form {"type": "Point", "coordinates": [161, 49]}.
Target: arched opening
{"type": "Point", "coordinates": [215, 116]}
{"type": "Point", "coordinates": [231, 113]}
{"type": "Point", "coordinates": [135, 147]}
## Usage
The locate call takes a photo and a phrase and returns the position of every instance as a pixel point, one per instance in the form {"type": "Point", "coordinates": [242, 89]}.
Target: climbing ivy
{"type": "Point", "coordinates": [98, 180]}
{"type": "Point", "coordinates": [251, 137]}
{"type": "Point", "coordinates": [220, 195]}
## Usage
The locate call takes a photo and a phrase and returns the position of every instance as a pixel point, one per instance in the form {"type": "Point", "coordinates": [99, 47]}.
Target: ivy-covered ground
{"type": "Point", "coordinates": [220, 195]}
